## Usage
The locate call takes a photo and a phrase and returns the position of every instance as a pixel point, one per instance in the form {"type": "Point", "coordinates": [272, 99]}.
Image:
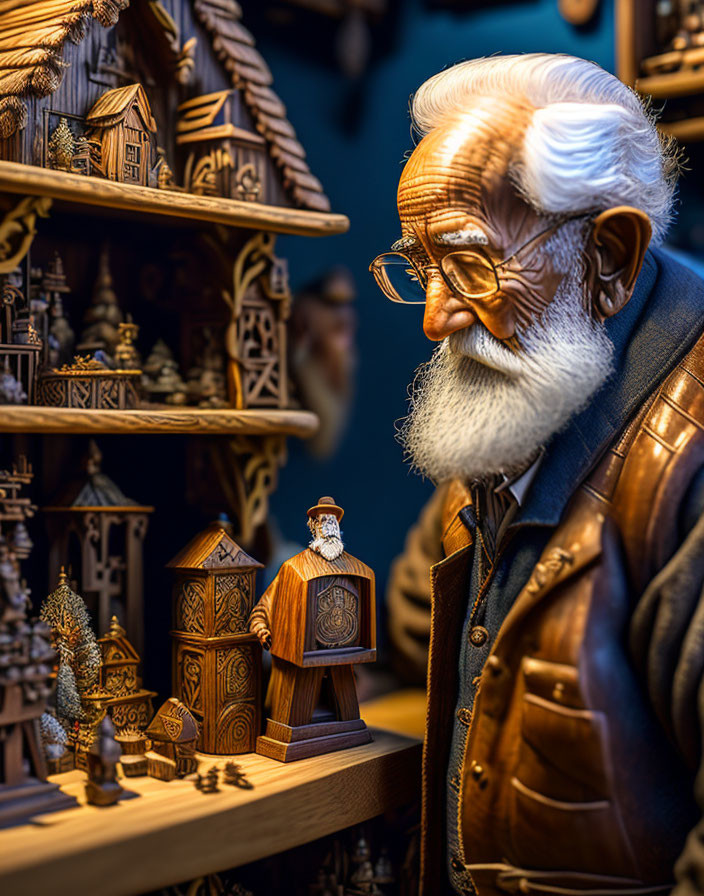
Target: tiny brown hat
{"type": "Point", "coordinates": [326, 505]}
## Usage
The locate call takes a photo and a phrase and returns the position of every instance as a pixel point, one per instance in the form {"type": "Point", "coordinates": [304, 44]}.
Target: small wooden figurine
{"type": "Point", "coordinates": [318, 619]}
{"type": "Point", "coordinates": [102, 786]}
{"type": "Point", "coordinates": [234, 776]}
{"type": "Point", "coordinates": [217, 662]}
{"type": "Point", "coordinates": [173, 732]}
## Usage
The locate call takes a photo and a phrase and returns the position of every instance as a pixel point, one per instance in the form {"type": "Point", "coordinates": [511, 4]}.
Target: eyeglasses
{"type": "Point", "coordinates": [467, 272]}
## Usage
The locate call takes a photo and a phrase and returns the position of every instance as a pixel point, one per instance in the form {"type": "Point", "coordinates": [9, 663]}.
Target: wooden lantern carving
{"type": "Point", "coordinates": [318, 618]}
{"type": "Point", "coordinates": [96, 511]}
{"type": "Point", "coordinates": [217, 663]}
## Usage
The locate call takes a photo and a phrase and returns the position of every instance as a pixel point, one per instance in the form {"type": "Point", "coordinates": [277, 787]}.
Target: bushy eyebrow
{"type": "Point", "coordinates": [406, 242]}
{"type": "Point", "coordinates": [468, 236]}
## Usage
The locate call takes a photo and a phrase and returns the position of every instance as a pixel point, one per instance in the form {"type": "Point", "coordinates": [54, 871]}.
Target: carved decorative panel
{"type": "Point", "coordinates": [190, 676]}
{"type": "Point", "coordinates": [130, 718]}
{"type": "Point", "coordinates": [235, 673]}
{"type": "Point", "coordinates": [120, 681]}
{"type": "Point", "coordinates": [233, 599]}
{"type": "Point", "coordinates": [190, 609]}
{"type": "Point", "coordinates": [236, 729]}
{"type": "Point", "coordinates": [336, 617]}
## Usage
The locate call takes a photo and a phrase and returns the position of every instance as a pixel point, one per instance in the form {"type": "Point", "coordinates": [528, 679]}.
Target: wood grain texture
{"type": "Point", "coordinates": [24, 418]}
{"type": "Point", "coordinates": [174, 833]}
{"type": "Point", "coordinates": [76, 188]}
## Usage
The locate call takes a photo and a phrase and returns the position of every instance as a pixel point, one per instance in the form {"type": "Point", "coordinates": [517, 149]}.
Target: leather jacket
{"type": "Point", "coordinates": [570, 782]}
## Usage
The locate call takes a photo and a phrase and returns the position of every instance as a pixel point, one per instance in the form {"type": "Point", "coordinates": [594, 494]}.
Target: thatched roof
{"type": "Point", "coordinates": [32, 38]}
{"type": "Point", "coordinates": [113, 105]}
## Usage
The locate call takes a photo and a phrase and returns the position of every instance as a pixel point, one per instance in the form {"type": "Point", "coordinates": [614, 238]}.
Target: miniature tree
{"type": "Point", "coordinates": [62, 145]}
{"type": "Point", "coordinates": [79, 663]}
{"type": "Point", "coordinates": [103, 315]}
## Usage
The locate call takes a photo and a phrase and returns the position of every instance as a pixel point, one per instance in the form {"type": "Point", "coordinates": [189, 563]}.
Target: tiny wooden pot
{"type": "Point", "coordinates": [90, 389]}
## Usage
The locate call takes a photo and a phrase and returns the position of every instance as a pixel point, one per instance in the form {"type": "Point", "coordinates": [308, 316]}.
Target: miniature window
{"type": "Point", "coordinates": [133, 158]}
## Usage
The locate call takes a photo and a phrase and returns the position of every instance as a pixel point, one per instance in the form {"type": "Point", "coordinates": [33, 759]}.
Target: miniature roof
{"type": "Point", "coordinates": [32, 38]}
{"type": "Point", "coordinates": [213, 548]}
{"type": "Point", "coordinates": [117, 636]}
{"type": "Point", "coordinates": [112, 106]}
{"type": "Point", "coordinates": [234, 46]}
{"type": "Point", "coordinates": [173, 723]}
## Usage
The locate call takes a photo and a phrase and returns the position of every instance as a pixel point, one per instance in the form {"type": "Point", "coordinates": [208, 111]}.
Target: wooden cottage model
{"type": "Point", "coordinates": [217, 662]}
{"type": "Point", "coordinates": [122, 127]}
{"type": "Point", "coordinates": [173, 733]}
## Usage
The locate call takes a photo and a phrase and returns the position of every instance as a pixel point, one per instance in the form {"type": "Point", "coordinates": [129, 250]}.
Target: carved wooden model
{"type": "Point", "coordinates": [26, 659]}
{"type": "Point", "coordinates": [318, 619]}
{"type": "Point", "coordinates": [217, 662]}
{"type": "Point", "coordinates": [105, 520]}
{"type": "Point", "coordinates": [120, 690]}
{"type": "Point", "coordinates": [20, 348]}
{"type": "Point", "coordinates": [173, 732]}
{"type": "Point", "coordinates": [102, 786]}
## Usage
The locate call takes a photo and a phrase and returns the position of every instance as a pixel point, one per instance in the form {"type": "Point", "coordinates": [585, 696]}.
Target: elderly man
{"type": "Point", "coordinates": [562, 417]}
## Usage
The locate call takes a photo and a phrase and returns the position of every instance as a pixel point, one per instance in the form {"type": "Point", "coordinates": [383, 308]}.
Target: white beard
{"type": "Point", "coordinates": [330, 547]}
{"type": "Point", "coordinates": [478, 409]}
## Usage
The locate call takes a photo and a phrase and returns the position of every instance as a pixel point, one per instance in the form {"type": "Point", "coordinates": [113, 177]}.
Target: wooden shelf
{"type": "Point", "coordinates": [672, 84]}
{"type": "Point", "coordinates": [688, 130]}
{"type": "Point", "coordinates": [35, 419]}
{"type": "Point", "coordinates": [174, 833]}
{"type": "Point", "coordinates": [76, 189]}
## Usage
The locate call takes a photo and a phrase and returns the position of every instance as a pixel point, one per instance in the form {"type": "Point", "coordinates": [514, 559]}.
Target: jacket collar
{"type": "Point", "coordinates": [651, 335]}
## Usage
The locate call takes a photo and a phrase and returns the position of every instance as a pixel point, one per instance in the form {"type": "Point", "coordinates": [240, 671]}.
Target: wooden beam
{"type": "Point", "coordinates": [31, 180]}
{"type": "Point", "coordinates": [195, 421]}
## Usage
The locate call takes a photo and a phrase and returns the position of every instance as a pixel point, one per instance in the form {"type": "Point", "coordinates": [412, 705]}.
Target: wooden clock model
{"type": "Point", "coordinates": [318, 619]}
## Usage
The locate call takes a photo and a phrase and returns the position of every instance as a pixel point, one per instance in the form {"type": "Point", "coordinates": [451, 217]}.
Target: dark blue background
{"type": "Point", "coordinates": [359, 166]}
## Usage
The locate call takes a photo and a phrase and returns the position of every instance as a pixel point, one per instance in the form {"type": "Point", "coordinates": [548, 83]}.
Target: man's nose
{"type": "Point", "coordinates": [444, 312]}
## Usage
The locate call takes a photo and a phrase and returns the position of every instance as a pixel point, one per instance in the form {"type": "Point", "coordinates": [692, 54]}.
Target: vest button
{"type": "Point", "coordinates": [479, 636]}
{"type": "Point", "coordinates": [464, 715]}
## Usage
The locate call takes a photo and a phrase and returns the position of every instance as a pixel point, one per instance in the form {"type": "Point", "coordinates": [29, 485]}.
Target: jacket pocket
{"type": "Point", "coordinates": [561, 810]}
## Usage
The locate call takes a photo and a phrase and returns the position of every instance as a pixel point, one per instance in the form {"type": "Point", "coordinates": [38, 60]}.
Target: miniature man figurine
{"type": "Point", "coordinates": [102, 786]}
{"type": "Point", "coordinates": [318, 619]}
{"type": "Point", "coordinates": [562, 416]}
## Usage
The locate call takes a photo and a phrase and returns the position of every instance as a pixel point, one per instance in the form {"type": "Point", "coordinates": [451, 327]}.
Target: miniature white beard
{"type": "Point", "coordinates": [478, 409]}
{"type": "Point", "coordinates": [330, 547]}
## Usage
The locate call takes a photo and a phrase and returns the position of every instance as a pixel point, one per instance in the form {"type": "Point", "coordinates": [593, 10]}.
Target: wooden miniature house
{"type": "Point", "coordinates": [173, 733]}
{"type": "Point", "coordinates": [222, 158]}
{"type": "Point", "coordinates": [217, 663]}
{"type": "Point", "coordinates": [120, 687]}
{"type": "Point", "coordinates": [122, 125]}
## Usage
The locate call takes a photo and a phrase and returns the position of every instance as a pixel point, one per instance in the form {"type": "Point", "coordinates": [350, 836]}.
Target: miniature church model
{"type": "Point", "coordinates": [217, 662]}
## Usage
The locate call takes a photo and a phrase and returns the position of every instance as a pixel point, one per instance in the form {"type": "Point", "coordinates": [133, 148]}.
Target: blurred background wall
{"type": "Point", "coordinates": [356, 132]}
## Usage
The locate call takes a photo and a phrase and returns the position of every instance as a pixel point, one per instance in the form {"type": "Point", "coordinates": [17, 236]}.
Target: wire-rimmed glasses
{"type": "Point", "coordinates": [467, 272]}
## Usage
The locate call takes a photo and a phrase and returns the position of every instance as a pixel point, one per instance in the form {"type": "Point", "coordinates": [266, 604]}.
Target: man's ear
{"type": "Point", "coordinates": [615, 254]}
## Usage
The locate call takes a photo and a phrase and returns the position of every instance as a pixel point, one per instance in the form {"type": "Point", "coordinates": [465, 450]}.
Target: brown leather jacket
{"type": "Point", "coordinates": [569, 781]}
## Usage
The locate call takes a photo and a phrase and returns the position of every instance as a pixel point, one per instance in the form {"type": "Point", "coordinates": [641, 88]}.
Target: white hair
{"type": "Point", "coordinates": [591, 143]}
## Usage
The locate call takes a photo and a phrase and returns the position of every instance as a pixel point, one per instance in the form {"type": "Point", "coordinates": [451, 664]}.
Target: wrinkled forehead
{"type": "Point", "coordinates": [457, 163]}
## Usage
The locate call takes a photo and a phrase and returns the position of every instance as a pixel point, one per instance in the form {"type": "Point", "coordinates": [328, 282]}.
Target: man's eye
{"type": "Point", "coordinates": [412, 275]}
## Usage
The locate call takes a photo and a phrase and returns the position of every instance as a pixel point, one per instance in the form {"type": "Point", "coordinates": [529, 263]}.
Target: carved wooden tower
{"type": "Point", "coordinates": [217, 663]}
